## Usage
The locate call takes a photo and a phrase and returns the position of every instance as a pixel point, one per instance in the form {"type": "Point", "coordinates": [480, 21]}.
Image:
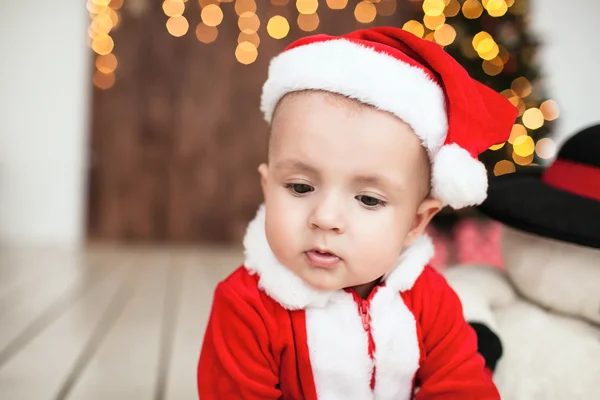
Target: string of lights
{"type": "Point", "coordinates": [486, 36]}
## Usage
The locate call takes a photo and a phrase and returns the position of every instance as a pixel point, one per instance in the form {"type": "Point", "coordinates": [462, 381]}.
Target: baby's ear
{"type": "Point", "coordinates": [426, 211]}
{"type": "Point", "coordinates": [263, 170]}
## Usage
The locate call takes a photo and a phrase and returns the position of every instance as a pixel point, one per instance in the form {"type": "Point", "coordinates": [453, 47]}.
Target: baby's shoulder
{"type": "Point", "coordinates": [430, 279]}
{"type": "Point", "coordinates": [242, 286]}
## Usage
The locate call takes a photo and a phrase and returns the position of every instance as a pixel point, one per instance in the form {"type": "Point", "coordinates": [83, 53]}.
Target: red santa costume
{"type": "Point", "coordinates": [271, 336]}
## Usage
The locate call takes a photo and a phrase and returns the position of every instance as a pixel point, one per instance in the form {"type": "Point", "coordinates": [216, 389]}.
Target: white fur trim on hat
{"type": "Point", "coordinates": [458, 179]}
{"type": "Point", "coordinates": [366, 75]}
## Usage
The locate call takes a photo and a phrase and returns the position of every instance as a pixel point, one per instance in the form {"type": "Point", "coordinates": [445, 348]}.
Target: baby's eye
{"type": "Point", "coordinates": [369, 201]}
{"type": "Point", "coordinates": [299, 188]}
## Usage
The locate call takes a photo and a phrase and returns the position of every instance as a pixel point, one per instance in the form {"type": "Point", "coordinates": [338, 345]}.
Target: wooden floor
{"type": "Point", "coordinates": [105, 323]}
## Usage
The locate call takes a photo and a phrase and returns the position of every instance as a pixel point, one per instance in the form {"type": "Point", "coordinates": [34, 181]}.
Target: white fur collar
{"type": "Point", "coordinates": [292, 293]}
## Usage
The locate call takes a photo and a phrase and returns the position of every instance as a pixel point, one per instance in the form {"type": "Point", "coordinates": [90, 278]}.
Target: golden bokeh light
{"type": "Point", "coordinates": [521, 86]}
{"type": "Point", "coordinates": [472, 9]}
{"type": "Point", "coordinates": [95, 6]}
{"type": "Point", "coordinates": [508, 93]}
{"type": "Point", "coordinates": [246, 53]}
{"type": "Point", "coordinates": [337, 4]}
{"type": "Point", "coordinates": [434, 23]}
{"type": "Point", "coordinates": [173, 8]}
{"type": "Point", "coordinates": [549, 109]}
{"type": "Point", "coordinates": [278, 27]}
{"type": "Point", "coordinates": [206, 34]}
{"type": "Point", "coordinates": [103, 81]}
{"type": "Point", "coordinates": [307, 6]}
{"type": "Point", "coordinates": [445, 35]}
{"type": "Point", "coordinates": [523, 161]}
{"type": "Point", "coordinates": [249, 37]}
{"type": "Point", "coordinates": [242, 6]}
{"type": "Point", "coordinates": [509, 3]}
{"type": "Point", "coordinates": [308, 22]}
{"type": "Point", "coordinates": [93, 9]}
{"type": "Point", "coordinates": [496, 8]}
{"type": "Point", "coordinates": [177, 26]}
{"type": "Point", "coordinates": [485, 46]}
{"type": "Point", "coordinates": [102, 24]}
{"type": "Point", "coordinates": [414, 27]}
{"type": "Point", "coordinates": [116, 4]}
{"type": "Point", "coordinates": [365, 12]}
{"type": "Point", "coordinates": [452, 8]}
{"type": "Point", "coordinates": [479, 38]}
{"type": "Point", "coordinates": [106, 63]}
{"type": "Point", "coordinates": [430, 36]}
{"type": "Point", "coordinates": [212, 15]}
{"type": "Point", "coordinates": [386, 8]}
{"type": "Point", "coordinates": [524, 146]}
{"type": "Point", "coordinates": [114, 17]}
{"type": "Point", "coordinates": [497, 146]}
{"type": "Point", "coordinates": [433, 8]}
{"type": "Point", "coordinates": [504, 167]}
{"type": "Point", "coordinates": [517, 131]}
{"type": "Point", "coordinates": [533, 118]}
{"type": "Point", "coordinates": [102, 44]}
{"type": "Point", "coordinates": [491, 54]}
{"type": "Point", "coordinates": [493, 67]}
{"type": "Point", "coordinates": [545, 148]}
{"type": "Point", "coordinates": [248, 22]}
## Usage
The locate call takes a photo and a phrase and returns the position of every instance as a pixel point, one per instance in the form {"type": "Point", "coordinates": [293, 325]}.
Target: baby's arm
{"type": "Point", "coordinates": [235, 361]}
{"type": "Point", "coordinates": [452, 367]}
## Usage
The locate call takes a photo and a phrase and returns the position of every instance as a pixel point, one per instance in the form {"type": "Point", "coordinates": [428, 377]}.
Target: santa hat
{"type": "Point", "coordinates": [456, 117]}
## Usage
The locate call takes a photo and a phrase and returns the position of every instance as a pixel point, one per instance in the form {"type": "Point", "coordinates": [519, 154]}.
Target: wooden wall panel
{"type": "Point", "coordinates": [177, 141]}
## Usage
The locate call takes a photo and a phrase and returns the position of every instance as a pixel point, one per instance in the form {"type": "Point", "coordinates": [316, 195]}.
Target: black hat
{"type": "Point", "coordinates": [559, 202]}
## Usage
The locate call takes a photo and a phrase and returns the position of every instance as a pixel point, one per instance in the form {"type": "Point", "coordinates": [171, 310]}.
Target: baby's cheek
{"type": "Point", "coordinates": [281, 239]}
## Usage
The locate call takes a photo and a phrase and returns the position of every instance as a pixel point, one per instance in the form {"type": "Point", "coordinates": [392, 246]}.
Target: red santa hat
{"type": "Point", "coordinates": [456, 117]}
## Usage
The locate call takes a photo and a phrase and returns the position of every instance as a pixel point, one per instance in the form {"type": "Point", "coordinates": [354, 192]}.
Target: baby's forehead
{"type": "Point", "coordinates": [339, 100]}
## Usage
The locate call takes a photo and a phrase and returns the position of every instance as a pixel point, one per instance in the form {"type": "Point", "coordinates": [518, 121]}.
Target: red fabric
{"type": "Point", "coordinates": [255, 349]}
{"type": "Point", "coordinates": [451, 367]}
{"type": "Point", "coordinates": [249, 350]}
{"type": "Point", "coordinates": [580, 179]}
{"type": "Point", "coordinates": [478, 117]}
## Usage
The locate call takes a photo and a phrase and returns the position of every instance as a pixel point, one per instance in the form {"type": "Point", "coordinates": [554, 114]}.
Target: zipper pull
{"type": "Point", "coordinates": [365, 316]}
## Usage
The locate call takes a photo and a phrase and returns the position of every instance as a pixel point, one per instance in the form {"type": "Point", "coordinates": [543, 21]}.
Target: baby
{"type": "Point", "coordinates": [372, 133]}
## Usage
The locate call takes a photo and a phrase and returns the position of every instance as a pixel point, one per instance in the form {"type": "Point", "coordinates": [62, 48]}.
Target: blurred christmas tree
{"type": "Point", "coordinates": [491, 39]}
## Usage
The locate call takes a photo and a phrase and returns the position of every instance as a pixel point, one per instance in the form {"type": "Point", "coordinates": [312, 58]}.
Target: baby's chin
{"type": "Point", "coordinates": [321, 280]}
{"type": "Point", "coordinates": [322, 286]}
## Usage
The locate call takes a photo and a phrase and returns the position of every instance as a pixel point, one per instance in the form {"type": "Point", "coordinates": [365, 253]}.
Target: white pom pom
{"type": "Point", "coordinates": [458, 179]}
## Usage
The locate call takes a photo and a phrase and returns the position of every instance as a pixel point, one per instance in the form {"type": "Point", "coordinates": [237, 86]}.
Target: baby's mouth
{"type": "Point", "coordinates": [322, 258]}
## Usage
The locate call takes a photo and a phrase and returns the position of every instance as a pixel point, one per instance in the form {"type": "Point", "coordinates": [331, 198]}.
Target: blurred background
{"type": "Point", "coordinates": [130, 134]}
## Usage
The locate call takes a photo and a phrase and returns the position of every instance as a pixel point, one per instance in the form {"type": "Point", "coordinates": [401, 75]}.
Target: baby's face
{"type": "Point", "coordinates": [345, 190]}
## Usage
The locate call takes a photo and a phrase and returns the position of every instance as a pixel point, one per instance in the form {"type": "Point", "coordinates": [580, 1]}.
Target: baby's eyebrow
{"type": "Point", "coordinates": [378, 180]}
{"type": "Point", "coordinates": [296, 165]}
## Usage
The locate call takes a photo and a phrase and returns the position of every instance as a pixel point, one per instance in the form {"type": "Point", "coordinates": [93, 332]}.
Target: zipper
{"type": "Point", "coordinates": [365, 317]}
